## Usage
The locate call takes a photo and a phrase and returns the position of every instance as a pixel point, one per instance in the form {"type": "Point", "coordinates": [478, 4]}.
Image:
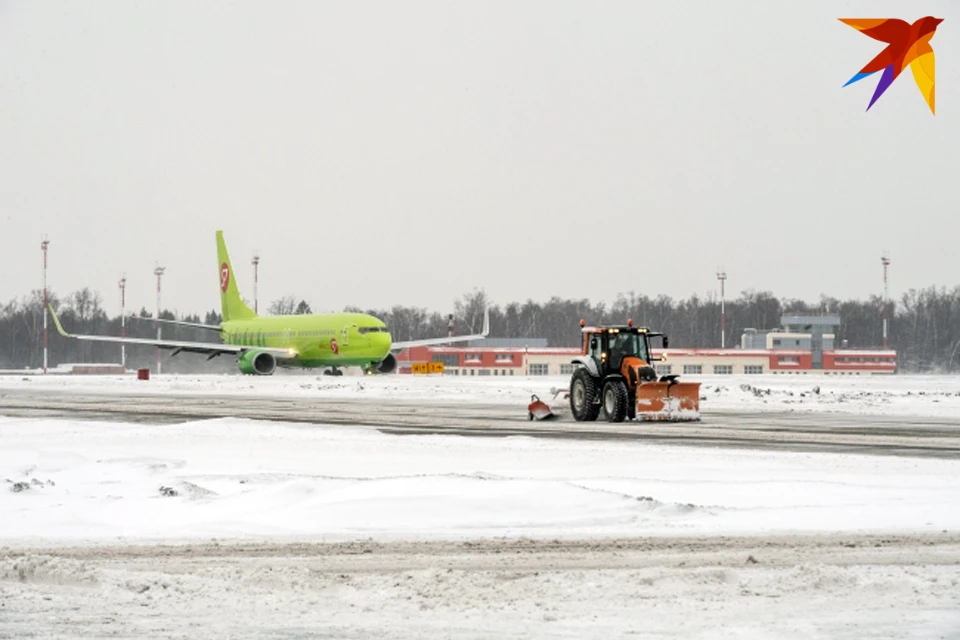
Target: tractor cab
{"type": "Point", "coordinates": [617, 349]}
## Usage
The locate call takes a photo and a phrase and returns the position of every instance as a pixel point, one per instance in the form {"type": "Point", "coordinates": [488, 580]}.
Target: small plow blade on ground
{"type": "Point", "coordinates": [668, 400]}
{"type": "Point", "coordinates": [538, 409]}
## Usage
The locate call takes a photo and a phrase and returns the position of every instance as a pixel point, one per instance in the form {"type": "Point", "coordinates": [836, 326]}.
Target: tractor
{"type": "Point", "coordinates": [614, 374]}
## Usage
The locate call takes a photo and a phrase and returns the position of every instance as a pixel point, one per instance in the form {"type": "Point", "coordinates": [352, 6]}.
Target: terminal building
{"type": "Point", "coordinates": [803, 346]}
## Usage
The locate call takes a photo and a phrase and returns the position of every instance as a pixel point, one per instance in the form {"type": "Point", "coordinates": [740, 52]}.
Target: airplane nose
{"type": "Point", "coordinates": [383, 341]}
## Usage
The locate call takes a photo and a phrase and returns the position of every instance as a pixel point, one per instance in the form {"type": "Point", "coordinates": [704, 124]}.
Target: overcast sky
{"type": "Point", "coordinates": [384, 153]}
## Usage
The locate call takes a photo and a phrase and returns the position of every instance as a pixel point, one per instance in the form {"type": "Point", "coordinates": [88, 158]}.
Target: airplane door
{"type": "Point", "coordinates": [345, 335]}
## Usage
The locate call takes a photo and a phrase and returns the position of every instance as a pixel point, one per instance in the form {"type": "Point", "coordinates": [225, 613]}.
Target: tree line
{"type": "Point", "coordinates": [923, 325]}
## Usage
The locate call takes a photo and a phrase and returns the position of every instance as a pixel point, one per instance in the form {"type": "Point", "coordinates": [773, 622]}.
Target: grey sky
{"type": "Point", "coordinates": [387, 153]}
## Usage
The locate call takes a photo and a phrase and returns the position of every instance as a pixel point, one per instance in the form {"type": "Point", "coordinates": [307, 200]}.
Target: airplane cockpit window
{"type": "Point", "coordinates": [364, 330]}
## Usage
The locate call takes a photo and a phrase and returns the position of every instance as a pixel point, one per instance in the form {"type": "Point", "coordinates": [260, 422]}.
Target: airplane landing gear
{"type": "Point", "coordinates": [333, 371]}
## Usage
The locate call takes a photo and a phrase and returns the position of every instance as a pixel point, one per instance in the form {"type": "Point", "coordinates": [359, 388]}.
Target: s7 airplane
{"type": "Point", "coordinates": [262, 343]}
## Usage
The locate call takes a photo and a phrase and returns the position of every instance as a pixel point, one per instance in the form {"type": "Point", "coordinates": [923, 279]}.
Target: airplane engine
{"type": "Point", "coordinates": [261, 363]}
{"type": "Point", "coordinates": [388, 364]}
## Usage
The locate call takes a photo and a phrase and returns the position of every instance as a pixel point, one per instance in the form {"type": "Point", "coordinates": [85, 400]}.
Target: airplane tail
{"type": "Point", "coordinates": [231, 305]}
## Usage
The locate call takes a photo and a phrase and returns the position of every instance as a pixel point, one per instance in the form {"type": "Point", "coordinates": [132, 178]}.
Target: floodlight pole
{"type": "Point", "coordinates": [43, 245]}
{"type": "Point", "coordinates": [886, 263]}
{"type": "Point", "coordinates": [123, 320]}
{"type": "Point", "coordinates": [256, 264]}
{"type": "Point", "coordinates": [159, 273]}
{"type": "Point", "coordinates": [722, 277]}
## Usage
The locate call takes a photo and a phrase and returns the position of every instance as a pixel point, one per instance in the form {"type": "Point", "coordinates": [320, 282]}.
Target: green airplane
{"type": "Point", "coordinates": [263, 343]}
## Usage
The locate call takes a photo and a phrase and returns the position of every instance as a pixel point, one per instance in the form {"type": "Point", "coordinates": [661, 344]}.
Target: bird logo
{"type": "Point", "coordinates": [907, 44]}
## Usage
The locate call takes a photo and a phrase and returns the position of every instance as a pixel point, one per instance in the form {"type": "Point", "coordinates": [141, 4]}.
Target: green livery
{"type": "Point", "coordinates": [263, 343]}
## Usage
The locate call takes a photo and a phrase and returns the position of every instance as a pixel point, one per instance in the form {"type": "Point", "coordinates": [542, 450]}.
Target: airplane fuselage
{"type": "Point", "coordinates": [317, 340]}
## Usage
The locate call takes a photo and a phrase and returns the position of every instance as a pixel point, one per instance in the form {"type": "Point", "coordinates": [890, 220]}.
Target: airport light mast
{"type": "Point", "coordinates": [256, 265]}
{"type": "Point", "coordinates": [158, 271]}
{"type": "Point", "coordinates": [43, 245]}
{"type": "Point", "coordinates": [722, 277]}
{"type": "Point", "coordinates": [885, 260]}
{"type": "Point", "coordinates": [123, 320]}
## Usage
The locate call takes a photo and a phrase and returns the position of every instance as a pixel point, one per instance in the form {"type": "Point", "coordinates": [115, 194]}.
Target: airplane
{"type": "Point", "coordinates": [263, 343]}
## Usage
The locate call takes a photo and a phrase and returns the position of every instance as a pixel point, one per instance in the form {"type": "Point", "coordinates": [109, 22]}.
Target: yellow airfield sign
{"type": "Point", "coordinates": [426, 367]}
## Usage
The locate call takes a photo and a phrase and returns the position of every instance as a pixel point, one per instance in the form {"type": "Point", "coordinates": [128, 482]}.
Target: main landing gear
{"type": "Point", "coordinates": [333, 371]}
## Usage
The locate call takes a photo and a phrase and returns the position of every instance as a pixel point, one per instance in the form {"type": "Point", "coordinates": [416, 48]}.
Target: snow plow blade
{"type": "Point", "coordinates": [538, 409]}
{"type": "Point", "coordinates": [669, 400]}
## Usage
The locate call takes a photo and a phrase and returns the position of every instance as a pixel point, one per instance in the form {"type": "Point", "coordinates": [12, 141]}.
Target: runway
{"type": "Point", "coordinates": [779, 430]}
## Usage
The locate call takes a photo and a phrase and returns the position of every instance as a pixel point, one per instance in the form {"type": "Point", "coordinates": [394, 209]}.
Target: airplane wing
{"type": "Point", "coordinates": [210, 348]}
{"type": "Point", "coordinates": [396, 346]}
{"type": "Point", "coordinates": [196, 325]}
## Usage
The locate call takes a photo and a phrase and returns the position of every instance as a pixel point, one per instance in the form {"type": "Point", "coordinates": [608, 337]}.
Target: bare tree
{"type": "Point", "coordinates": [285, 306]}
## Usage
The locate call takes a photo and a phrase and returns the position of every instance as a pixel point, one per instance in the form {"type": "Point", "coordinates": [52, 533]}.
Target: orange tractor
{"type": "Point", "coordinates": [614, 374]}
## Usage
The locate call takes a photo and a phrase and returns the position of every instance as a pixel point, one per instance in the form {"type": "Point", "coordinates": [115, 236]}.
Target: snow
{"type": "Point", "coordinates": [209, 528]}
{"type": "Point", "coordinates": [238, 478]}
{"type": "Point", "coordinates": [897, 395]}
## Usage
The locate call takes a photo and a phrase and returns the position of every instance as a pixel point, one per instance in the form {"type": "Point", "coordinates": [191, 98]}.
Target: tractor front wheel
{"type": "Point", "coordinates": [583, 396]}
{"type": "Point", "coordinates": [615, 401]}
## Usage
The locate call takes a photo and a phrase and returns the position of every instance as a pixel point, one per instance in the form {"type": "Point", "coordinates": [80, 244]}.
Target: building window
{"type": "Point", "coordinates": [504, 357]}
{"type": "Point", "coordinates": [753, 368]}
{"type": "Point", "coordinates": [776, 342]}
{"type": "Point", "coordinates": [694, 369]}
{"type": "Point", "coordinates": [566, 369]}
{"type": "Point", "coordinates": [496, 372]}
{"type": "Point", "coordinates": [788, 360]}
{"type": "Point", "coordinates": [473, 358]}
{"type": "Point", "coordinates": [483, 372]}
{"type": "Point", "coordinates": [723, 369]}
{"type": "Point", "coordinates": [539, 369]}
{"type": "Point", "coordinates": [448, 360]}
{"type": "Point", "coordinates": [663, 369]}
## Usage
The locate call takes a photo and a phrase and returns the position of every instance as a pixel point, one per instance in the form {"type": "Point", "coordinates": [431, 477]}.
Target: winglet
{"type": "Point", "coordinates": [486, 322]}
{"type": "Point", "coordinates": [56, 321]}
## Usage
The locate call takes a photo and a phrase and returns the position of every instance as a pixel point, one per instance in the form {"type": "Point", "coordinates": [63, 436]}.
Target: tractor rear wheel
{"type": "Point", "coordinates": [583, 396]}
{"type": "Point", "coordinates": [615, 401]}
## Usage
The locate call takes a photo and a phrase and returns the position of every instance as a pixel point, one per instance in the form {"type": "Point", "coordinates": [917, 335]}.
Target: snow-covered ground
{"type": "Point", "coordinates": [900, 395]}
{"type": "Point", "coordinates": [806, 588]}
{"type": "Point", "coordinates": [715, 542]}
{"type": "Point", "coordinates": [233, 478]}
{"type": "Point", "coordinates": [529, 524]}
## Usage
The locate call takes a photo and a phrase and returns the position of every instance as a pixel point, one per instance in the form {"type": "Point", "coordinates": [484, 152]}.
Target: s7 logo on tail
{"type": "Point", "coordinates": [907, 44]}
{"type": "Point", "coordinates": [224, 277]}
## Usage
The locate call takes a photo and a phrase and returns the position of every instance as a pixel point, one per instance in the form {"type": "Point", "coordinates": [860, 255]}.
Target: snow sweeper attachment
{"type": "Point", "coordinates": [614, 375]}
{"type": "Point", "coordinates": [538, 409]}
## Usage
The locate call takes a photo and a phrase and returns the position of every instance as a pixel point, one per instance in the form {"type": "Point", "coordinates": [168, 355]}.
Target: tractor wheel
{"type": "Point", "coordinates": [583, 396]}
{"type": "Point", "coordinates": [615, 401]}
